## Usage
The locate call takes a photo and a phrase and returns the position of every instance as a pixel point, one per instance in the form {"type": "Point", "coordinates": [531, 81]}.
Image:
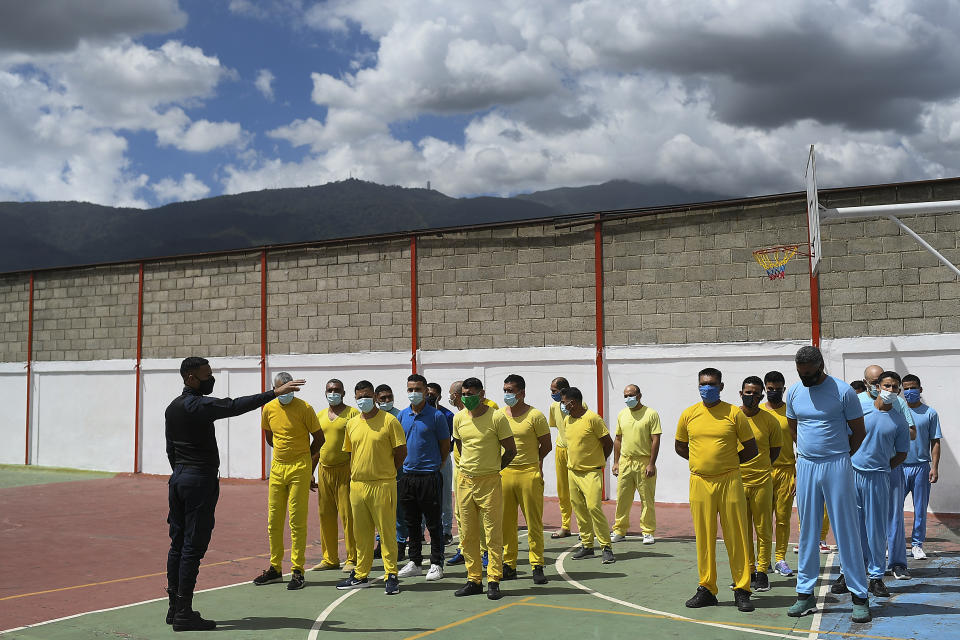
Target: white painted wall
{"type": "Point", "coordinates": [83, 413]}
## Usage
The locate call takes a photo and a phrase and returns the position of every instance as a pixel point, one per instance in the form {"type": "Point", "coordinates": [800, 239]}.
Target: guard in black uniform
{"type": "Point", "coordinates": [194, 483]}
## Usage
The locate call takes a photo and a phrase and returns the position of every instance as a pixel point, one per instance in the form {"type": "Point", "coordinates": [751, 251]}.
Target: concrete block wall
{"type": "Point", "coordinates": [14, 304]}
{"type": "Point", "coordinates": [85, 314]}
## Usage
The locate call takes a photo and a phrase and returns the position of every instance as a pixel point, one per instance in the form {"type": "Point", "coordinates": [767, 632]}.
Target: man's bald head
{"type": "Point", "coordinates": [871, 373]}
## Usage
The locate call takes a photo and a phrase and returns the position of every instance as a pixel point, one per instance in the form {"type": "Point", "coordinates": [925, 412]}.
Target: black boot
{"type": "Point", "coordinates": [172, 607]}
{"type": "Point", "coordinates": [186, 619]}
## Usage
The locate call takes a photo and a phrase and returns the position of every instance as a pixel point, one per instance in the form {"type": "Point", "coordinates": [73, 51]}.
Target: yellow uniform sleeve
{"type": "Point", "coordinates": [599, 427]}
{"type": "Point", "coordinates": [655, 428]}
{"type": "Point", "coordinates": [456, 427]}
{"type": "Point", "coordinates": [265, 419]}
{"type": "Point", "coordinates": [540, 426]}
{"type": "Point", "coordinates": [775, 434]}
{"type": "Point", "coordinates": [682, 435]}
{"type": "Point", "coordinates": [347, 445]}
{"type": "Point", "coordinates": [502, 426]}
{"type": "Point", "coordinates": [744, 432]}
{"type": "Point", "coordinates": [552, 420]}
{"type": "Point", "coordinates": [397, 438]}
{"type": "Point", "coordinates": [311, 420]}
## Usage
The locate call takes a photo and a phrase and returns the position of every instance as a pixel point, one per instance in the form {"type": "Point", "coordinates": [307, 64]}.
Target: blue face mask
{"type": "Point", "coordinates": [631, 401]}
{"type": "Point", "coordinates": [709, 393]}
{"type": "Point", "coordinates": [510, 399]}
{"type": "Point", "coordinates": [556, 397]}
{"type": "Point", "coordinates": [385, 406]}
{"type": "Point", "coordinates": [911, 395]}
{"type": "Point", "coordinates": [415, 398]}
{"type": "Point", "coordinates": [334, 399]}
{"type": "Point", "coordinates": [286, 398]}
{"type": "Point", "coordinates": [365, 405]}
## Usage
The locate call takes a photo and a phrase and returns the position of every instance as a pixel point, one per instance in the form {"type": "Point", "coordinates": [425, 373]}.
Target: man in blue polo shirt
{"type": "Point", "coordinates": [922, 466]}
{"type": "Point", "coordinates": [419, 488]}
{"type": "Point", "coordinates": [826, 419]}
{"type": "Point", "coordinates": [434, 391]}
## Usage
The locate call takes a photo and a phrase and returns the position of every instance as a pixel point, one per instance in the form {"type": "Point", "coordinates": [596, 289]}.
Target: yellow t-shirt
{"type": "Point", "coordinates": [787, 457]}
{"type": "Point", "coordinates": [490, 403]}
{"type": "Point", "coordinates": [557, 422]}
{"type": "Point", "coordinates": [584, 451]}
{"type": "Point", "coordinates": [766, 430]}
{"type": "Point", "coordinates": [713, 433]}
{"type": "Point", "coordinates": [291, 426]}
{"type": "Point", "coordinates": [527, 429]}
{"type": "Point", "coordinates": [372, 443]}
{"type": "Point", "coordinates": [332, 453]}
{"type": "Point", "coordinates": [635, 426]}
{"type": "Point", "coordinates": [480, 440]}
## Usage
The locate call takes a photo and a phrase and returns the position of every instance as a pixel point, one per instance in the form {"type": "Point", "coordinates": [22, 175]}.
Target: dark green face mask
{"type": "Point", "coordinates": [470, 402]}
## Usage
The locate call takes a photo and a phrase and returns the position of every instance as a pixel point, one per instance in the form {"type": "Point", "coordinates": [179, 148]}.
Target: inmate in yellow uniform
{"type": "Point", "coordinates": [290, 472]}
{"type": "Point", "coordinates": [522, 483]}
{"type": "Point", "coordinates": [713, 435]}
{"type": "Point", "coordinates": [373, 487]}
{"type": "Point", "coordinates": [758, 487]}
{"type": "Point", "coordinates": [556, 421]}
{"type": "Point", "coordinates": [333, 489]}
{"type": "Point", "coordinates": [479, 494]}
{"type": "Point", "coordinates": [635, 428]}
{"type": "Point", "coordinates": [784, 475]}
{"type": "Point", "coordinates": [456, 480]}
{"type": "Point", "coordinates": [585, 461]}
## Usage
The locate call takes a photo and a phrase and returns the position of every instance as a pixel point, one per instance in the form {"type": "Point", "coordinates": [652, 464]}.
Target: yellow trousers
{"type": "Point", "coordinates": [523, 489]}
{"type": "Point", "coordinates": [720, 495]}
{"type": "Point", "coordinates": [374, 509]}
{"type": "Point", "coordinates": [481, 509]}
{"type": "Point", "coordinates": [563, 486]}
{"type": "Point", "coordinates": [784, 479]}
{"type": "Point", "coordinates": [586, 496]}
{"type": "Point", "coordinates": [631, 479]}
{"type": "Point", "coordinates": [456, 513]}
{"type": "Point", "coordinates": [333, 494]}
{"type": "Point", "coordinates": [759, 518]}
{"type": "Point", "coordinates": [289, 487]}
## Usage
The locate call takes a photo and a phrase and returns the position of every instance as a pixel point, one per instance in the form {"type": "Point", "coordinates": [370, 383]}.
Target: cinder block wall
{"type": "Point", "coordinates": [14, 302]}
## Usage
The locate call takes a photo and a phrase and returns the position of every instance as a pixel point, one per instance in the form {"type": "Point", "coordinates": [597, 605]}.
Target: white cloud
{"type": "Point", "coordinates": [264, 83]}
{"type": "Point", "coordinates": [189, 187]}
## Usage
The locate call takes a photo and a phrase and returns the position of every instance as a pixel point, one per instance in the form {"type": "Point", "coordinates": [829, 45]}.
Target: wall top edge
{"type": "Point", "coordinates": [13, 368]}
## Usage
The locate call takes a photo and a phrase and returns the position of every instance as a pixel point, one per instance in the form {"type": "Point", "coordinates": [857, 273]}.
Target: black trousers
{"type": "Point", "coordinates": [192, 495]}
{"type": "Point", "coordinates": [419, 495]}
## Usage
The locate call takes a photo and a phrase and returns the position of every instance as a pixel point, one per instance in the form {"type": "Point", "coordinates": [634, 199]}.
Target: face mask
{"type": "Point", "coordinates": [775, 396]}
{"type": "Point", "coordinates": [334, 399]}
{"type": "Point", "coordinates": [365, 405]}
{"type": "Point", "coordinates": [750, 401]}
{"type": "Point", "coordinates": [709, 393]}
{"type": "Point", "coordinates": [286, 398]}
{"type": "Point", "coordinates": [631, 401]}
{"type": "Point", "coordinates": [415, 398]}
{"type": "Point", "coordinates": [432, 400]}
{"type": "Point", "coordinates": [510, 399]}
{"type": "Point", "coordinates": [912, 395]}
{"type": "Point", "coordinates": [563, 410]}
{"type": "Point", "coordinates": [470, 402]}
{"type": "Point", "coordinates": [887, 397]}
{"type": "Point", "coordinates": [385, 406]}
{"type": "Point", "coordinates": [556, 396]}
{"type": "Point", "coordinates": [873, 390]}
{"type": "Point", "coordinates": [811, 380]}
{"type": "Point", "coordinates": [206, 386]}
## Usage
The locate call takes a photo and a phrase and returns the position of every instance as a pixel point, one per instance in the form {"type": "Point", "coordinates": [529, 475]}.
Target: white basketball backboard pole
{"type": "Point", "coordinates": [813, 245]}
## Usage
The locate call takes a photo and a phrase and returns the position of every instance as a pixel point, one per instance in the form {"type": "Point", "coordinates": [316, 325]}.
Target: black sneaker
{"type": "Point", "coordinates": [493, 590]}
{"type": "Point", "coordinates": [538, 577]}
{"type": "Point", "coordinates": [353, 582]}
{"type": "Point", "coordinates": [186, 619]}
{"type": "Point", "coordinates": [608, 557]}
{"type": "Point", "coordinates": [296, 581]}
{"type": "Point", "coordinates": [391, 585]}
{"type": "Point", "coordinates": [742, 598]}
{"type": "Point", "coordinates": [839, 586]}
{"type": "Point", "coordinates": [509, 573]}
{"type": "Point", "coordinates": [377, 551]}
{"type": "Point", "coordinates": [269, 576]}
{"type": "Point", "coordinates": [469, 589]}
{"type": "Point", "coordinates": [583, 552]}
{"type": "Point", "coordinates": [762, 582]}
{"type": "Point", "coordinates": [172, 605]}
{"type": "Point", "coordinates": [877, 588]}
{"type": "Point", "coordinates": [702, 598]}
{"type": "Point", "coordinates": [447, 539]}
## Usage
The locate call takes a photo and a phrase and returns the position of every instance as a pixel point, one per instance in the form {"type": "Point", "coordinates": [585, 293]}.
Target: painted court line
{"type": "Point", "coordinates": [821, 599]}
{"type": "Point", "coordinates": [470, 619]}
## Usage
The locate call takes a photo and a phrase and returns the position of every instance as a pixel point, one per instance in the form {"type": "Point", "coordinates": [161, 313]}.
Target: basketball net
{"type": "Point", "coordinates": [774, 259]}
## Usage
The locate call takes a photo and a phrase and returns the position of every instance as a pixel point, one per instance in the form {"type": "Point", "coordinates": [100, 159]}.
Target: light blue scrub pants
{"type": "Point", "coordinates": [446, 500]}
{"type": "Point", "coordinates": [916, 477]}
{"type": "Point", "coordinates": [828, 481]}
{"type": "Point", "coordinates": [873, 500]}
{"type": "Point", "coordinates": [896, 538]}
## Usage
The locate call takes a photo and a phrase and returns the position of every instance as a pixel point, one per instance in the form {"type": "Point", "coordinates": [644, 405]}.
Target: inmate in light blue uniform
{"type": "Point", "coordinates": [887, 435]}
{"type": "Point", "coordinates": [825, 476]}
{"type": "Point", "coordinates": [916, 469]}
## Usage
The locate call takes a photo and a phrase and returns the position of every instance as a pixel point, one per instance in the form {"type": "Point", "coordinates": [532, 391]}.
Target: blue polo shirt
{"type": "Point", "coordinates": [822, 412]}
{"type": "Point", "coordinates": [927, 422]}
{"type": "Point", "coordinates": [887, 434]}
{"type": "Point", "coordinates": [424, 431]}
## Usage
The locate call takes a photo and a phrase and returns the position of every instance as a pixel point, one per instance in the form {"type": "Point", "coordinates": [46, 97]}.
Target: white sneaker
{"type": "Point", "coordinates": [918, 553]}
{"type": "Point", "coordinates": [796, 548]}
{"type": "Point", "coordinates": [616, 537]}
{"type": "Point", "coordinates": [435, 573]}
{"type": "Point", "coordinates": [410, 570]}
{"type": "Point", "coordinates": [648, 538]}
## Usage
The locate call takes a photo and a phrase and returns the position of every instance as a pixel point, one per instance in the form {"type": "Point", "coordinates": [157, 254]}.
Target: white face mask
{"type": "Point", "coordinates": [365, 405]}
{"type": "Point", "coordinates": [887, 397]}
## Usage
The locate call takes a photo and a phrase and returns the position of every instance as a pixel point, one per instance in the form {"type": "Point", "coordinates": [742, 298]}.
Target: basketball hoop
{"type": "Point", "coordinates": [774, 259]}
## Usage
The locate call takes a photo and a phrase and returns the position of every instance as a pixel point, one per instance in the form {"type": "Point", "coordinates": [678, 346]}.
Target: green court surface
{"type": "Point", "coordinates": [23, 476]}
{"type": "Point", "coordinates": [642, 594]}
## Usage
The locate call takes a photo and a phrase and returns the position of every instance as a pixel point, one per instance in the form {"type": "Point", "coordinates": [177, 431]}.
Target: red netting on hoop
{"type": "Point", "coordinates": [774, 259]}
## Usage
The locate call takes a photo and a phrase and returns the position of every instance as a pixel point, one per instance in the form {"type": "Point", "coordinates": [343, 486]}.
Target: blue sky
{"type": "Point", "coordinates": [143, 102]}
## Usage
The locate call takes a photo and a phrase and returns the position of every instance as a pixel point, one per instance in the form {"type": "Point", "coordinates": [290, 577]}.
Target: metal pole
{"type": "Point", "coordinates": [136, 412]}
{"type": "Point", "coordinates": [263, 354]}
{"type": "Point", "coordinates": [925, 245]}
{"type": "Point", "coordinates": [26, 446]}
{"type": "Point", "coordinates": [414, 338]}
{"type": "Point", "coordinates": [598, 305]}
{"type": "Point", "coordinates": [814, 291]}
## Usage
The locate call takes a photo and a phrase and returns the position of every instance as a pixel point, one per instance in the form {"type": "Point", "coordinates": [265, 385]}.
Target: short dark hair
{"type": "Point", "coordinates": [362, 385]}
{"type": "Point", "coordinates": [573, 393]}
{"type": "Point", "coordinates": [562, 383]}
{"type": "Point", "coordinates": [416, 377]}
{"type": "Point", "coordinates": [710, 371]}
{"type": "Point", "coordinates": [752, 380]}
{"type": "Point", "coordinates": [515, 379]}
{"type": "Point", "coordinates": [433, 386]}
{"type": "Point", "coordinates": [889, 374]}
{"type": "Point", "coordinates": [334, 381]}
{"type": "Point", "coordinates": [472, 383]}
{"type": "Point", "coordinates": [911, 378]}
{"type": "Point", "coordinates": [774, 376]}
{"type": "Point", "coordinates": [808, 355]}
{"type": "Point", "coordinates": [381, 388]}
{"type": "Point", "coordinates": [192, 364]}
{"type": "Point", "coordinates": [858, 386]}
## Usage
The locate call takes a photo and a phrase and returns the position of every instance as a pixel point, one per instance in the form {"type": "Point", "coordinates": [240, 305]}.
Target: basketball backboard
{"type": "Point", "coordinates": [813, 212]}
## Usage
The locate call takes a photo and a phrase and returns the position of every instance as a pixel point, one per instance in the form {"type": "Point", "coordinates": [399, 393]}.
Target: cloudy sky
{"type": "Point", "coordinates": [142, 102]}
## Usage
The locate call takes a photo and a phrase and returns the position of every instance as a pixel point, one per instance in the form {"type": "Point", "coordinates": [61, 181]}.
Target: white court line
{"type": "Point", "coordinates": [668, 614]}
{"type": "Point", "coordinates": [318, 623]}
{"type": "Point", "coordinates": [821, 599]}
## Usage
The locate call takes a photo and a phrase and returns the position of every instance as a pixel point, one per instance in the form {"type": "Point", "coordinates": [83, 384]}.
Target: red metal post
{"type": "Point", "coordinates": [263, 354]}
{"type": "Point", "coordinates": [26, 446]}
{"type": "Point", "coordinates": [136, 415]}
{"type": "Point", "coordinates": [413, 304]}
{"type": "Point", "coordinates": [814, 292]}
{"type": "Point", "coordinates": [598, 300]}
